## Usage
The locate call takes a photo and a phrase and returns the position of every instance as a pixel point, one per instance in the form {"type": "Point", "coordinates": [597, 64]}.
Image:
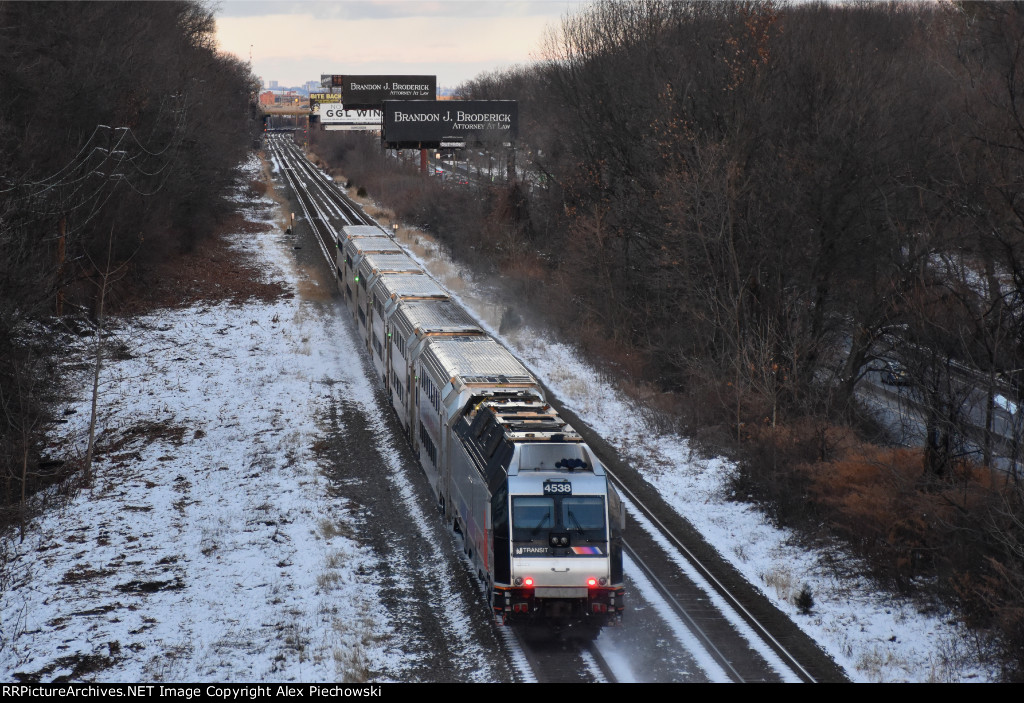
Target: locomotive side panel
{"type": "Point", "coordinates": [443, 366]}
{"type": "Point", "coordinates": [471, 500]}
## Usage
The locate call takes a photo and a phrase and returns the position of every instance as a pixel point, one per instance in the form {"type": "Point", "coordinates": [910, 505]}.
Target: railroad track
{"type": "Point", "coordinates": [325, 207]}
{"type": "Point", "coordinates": [689, 595]}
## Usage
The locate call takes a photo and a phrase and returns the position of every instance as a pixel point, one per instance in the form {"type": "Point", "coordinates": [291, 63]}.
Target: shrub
{"type": "Point", "coordinates": [804, 600]}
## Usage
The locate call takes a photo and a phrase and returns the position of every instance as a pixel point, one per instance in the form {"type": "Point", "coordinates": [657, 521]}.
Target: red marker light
{"type": "Point", "coordinates": [591, 582]}
{"type": "Point", "coordinates": [528, 581]}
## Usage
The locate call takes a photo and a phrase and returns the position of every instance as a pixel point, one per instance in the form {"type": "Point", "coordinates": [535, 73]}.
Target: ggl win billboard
{"type": "Point", "coordinates": [427, 123]}
{"type": "Point", "coordinates": [336, 113]}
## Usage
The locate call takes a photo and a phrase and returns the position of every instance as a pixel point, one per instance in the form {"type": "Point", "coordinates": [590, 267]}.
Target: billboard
{"type": "Point", "coordinates": [371, 91]}
{"type": "Point", "coordinates": [431, 123]}
{"type": "Point", "coordinates": [327, 82]}
{"type": "Point", "coordinates": [338, 114]}
{"type": "Point", "coordinates": [325, 97]}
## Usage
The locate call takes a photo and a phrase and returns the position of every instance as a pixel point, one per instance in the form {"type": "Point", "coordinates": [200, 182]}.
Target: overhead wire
{"type": "Point", "coordinates": [70, 184]}
{"type": "Point", "coordinates": [69, 165]}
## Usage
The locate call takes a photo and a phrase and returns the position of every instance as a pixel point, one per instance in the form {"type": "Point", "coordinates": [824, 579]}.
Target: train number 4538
{"type": "Point", "coordinates": [561, 488]}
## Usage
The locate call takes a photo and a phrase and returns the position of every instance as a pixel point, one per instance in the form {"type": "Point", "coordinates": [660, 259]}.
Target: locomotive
{"type": "Point", "coordinates": [540, 520]}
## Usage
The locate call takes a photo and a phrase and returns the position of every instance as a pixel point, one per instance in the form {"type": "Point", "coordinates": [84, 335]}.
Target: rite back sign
{"type": "Point", "coordinates": [325, 97]}
{"type": "Point", "coordinates": [410, 124]}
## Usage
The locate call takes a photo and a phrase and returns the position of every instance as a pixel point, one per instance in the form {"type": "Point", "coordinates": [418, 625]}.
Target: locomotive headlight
{"type": "Point", "coordinates": [528, 582]}
{"type": "Point", "coordinates": [591, 582]}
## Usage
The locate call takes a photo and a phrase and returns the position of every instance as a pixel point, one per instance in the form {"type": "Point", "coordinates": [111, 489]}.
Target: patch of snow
{"type": "Point", "coordinates": [873, 636]}
{"type": "Point", "coordinates": [209, 548]}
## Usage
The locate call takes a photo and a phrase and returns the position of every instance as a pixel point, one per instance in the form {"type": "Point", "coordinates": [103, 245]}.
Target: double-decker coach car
{"type": "Point", "coordinates": [409, 324]}
{"type": "Point", "coordinates": [354, 242]}
{"type": "Point", "coordinates": [388, 290]}
{"type": "Point", "coordinates": [370, 267]}
{"type": "Point", "coordinates": [540, 520]}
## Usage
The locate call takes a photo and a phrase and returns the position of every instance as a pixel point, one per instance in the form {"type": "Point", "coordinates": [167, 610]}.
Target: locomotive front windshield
{"type": "Point", "coordinates": [582, 518]}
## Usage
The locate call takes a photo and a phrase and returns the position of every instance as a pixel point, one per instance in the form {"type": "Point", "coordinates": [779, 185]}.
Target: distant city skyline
{"type": "Point", "coordinates": [456, 40]}
{"type": "Point", "coordinates": [308, 86]}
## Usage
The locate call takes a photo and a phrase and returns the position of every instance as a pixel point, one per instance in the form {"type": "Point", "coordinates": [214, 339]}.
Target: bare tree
{"type": "Point", "coordinates": [161, 119]}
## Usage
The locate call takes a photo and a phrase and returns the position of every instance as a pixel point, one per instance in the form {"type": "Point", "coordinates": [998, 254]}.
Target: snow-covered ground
{"type": "Point", "coordinates": [180, 565]}
{"type": "Point", "coordinates": [209, 547]}
{"type": "Point", "coordinates": [873, 636]}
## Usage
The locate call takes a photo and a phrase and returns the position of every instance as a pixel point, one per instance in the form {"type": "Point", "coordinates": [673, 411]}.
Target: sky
{"type": "Point", "coordinates": [455, 40]}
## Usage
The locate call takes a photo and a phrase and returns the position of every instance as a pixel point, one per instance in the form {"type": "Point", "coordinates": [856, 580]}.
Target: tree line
{"type": "Point", "coordinates": [750, 207]}
{"type": "Point", "coordinates": [121, 127]}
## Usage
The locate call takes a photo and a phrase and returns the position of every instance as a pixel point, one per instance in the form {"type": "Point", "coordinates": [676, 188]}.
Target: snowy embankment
{"type": "Point", "coordinates": [872, 635]}
{"type": "Point", "coordinates": [208, 547]}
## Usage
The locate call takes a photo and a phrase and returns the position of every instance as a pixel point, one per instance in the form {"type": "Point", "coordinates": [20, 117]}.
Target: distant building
{"type": "Point", "coordinates": [288, 98]}
{"type": "Point", "coordinates": [273, 85]}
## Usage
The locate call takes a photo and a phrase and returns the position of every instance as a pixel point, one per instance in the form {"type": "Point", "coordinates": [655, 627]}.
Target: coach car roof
{"type": "Point", "coordinates": [475, 359]}
{"type": "Point", "coordinates": [366, 245]}
{"type": "Point", "coordinates": [432, 317]}
{"type": "Point", "coordinates": [386, 262]}
{"type": "Point", "coordinates": [408, 285]}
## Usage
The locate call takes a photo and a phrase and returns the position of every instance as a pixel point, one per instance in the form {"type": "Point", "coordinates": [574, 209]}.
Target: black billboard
{"type": "Point", "coordinates": [429, 123]}
{"type": "Point", "coordinates": [371, 91]}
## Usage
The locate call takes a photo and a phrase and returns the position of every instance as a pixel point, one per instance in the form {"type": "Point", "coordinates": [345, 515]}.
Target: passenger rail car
{"type": "Point", "coordinates": [388, 290]}
{"type": "Point", "coordinates": [353, 243]}
{"type": "Point", "coordinates": [540, 520]}
{"type": "Point", "coordinates": [408, 325]}
{"type": "Point", "coordinates": [370, 267]}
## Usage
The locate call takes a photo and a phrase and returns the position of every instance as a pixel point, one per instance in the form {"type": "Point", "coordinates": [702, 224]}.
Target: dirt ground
{"type": "Point", "coordinates": [212, 271]}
